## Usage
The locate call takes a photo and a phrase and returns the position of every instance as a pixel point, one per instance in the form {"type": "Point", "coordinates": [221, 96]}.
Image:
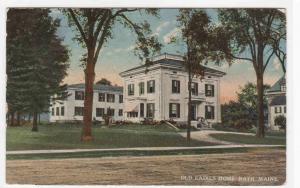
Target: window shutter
{"type": "Point", "coordinates": [153, 86]}
{"type": "Point", "coordinates": [178, 86]}
{"type": "Point", "coordinates": [213, 90]}
{"type": "Point", "coordinates": [206, 94]}
{"type": "Point", "coordinates": [178, 110]}
{"type": "Point", "coordinates": [170, 110]}
{"type": "Point", "coordinates": [212, 112]}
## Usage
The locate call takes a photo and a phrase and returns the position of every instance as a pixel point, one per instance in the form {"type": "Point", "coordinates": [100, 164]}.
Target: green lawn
{"type": "Point", "coordinates": [248, 139]}
{"type": "Point", "coordinates": [58, 136]}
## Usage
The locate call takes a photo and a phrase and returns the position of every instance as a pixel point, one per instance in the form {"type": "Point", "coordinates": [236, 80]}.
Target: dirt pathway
{"type": "Point", "coordinates": [204, 135]}
{"type": "Point", "coordinates": [254, 168]}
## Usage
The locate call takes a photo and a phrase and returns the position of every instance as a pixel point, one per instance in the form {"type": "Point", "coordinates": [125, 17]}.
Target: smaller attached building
{"type": "Point", "coordinates": [107, 100]}
{"type": "Point", "coordinates": [276, 96]}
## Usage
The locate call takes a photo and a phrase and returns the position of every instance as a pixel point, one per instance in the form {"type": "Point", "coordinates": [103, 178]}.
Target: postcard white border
{"type": "Point", "coordinates": [293, 67]}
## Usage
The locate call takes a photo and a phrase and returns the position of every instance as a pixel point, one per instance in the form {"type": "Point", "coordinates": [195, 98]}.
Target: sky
{"type": "Point", "coordinates": [117, 54]}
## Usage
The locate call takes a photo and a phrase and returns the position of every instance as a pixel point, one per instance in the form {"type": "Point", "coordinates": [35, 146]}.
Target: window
{"type": "Point", "coordinates": [141, 88]}
{"type": "Point", "coordinates": [277, 109]}
{"type": "Point", "coordinates": [175, 86]}
{"type": "Point", "coordinates": [132, 114]}
{"type": "Point", "coordinates": [57, 111]}
{"type": "Point", "coordinates": [101, 97]}
{"type": "Point", "coordinates": [209, 90]}
{"type": "Point", "coordinates": [209, 112]}
{"type": "Point", "coordinates": [52, 111]}
{"type": "Point", "coordinates": [284, 109]}
{"type": "Point", "coordinates": [99, 112]}
{"type": "Point", "coordinates": [194, 88]}
{"type": "Point", "coordinates": [110, 98]}
{"type": "Point", "coordinates": [120, 112]}
{"type": "Point", "coordinates": [130, 89]}
{"type": "Point", "coordinates": [283, 87]}
{"type": "Point", "coordinates": [120, 98]}
{"type": "Point", "coordinates": [150, 110]}
{"type": "Point", "coordinates": [174, 110]}
{"type": "Point", "coordinates": [78, 111]}
{"type": "Point", "coordinates": [62, 111]}
{"type": "Point", "coordinates": [151, 86]}
{"type": "Point", "coordinates": [110, 112]}
{"type": "Point", "coordinates": [79, 95]}
{"type": "Point", "coordinates": [142, 113]}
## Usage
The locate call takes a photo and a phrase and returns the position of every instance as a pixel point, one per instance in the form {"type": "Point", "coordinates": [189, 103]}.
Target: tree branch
{"type": "Point", "coordinates": [78, 25]}
{"type": "Point", "coordinates": [102, 39]}
{"type": "Point", "coordinates": [268, 60]}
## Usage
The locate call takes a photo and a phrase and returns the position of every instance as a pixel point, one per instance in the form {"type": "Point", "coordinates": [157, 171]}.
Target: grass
{"type": "Point", "coordinates": [97, 154]}
{"type": "Point", "coordinates": [249, 139]}
{"type": "Point", "coordinates": [65, 136]}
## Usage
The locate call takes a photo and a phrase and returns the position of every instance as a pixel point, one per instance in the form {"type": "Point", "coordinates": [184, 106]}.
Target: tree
{"type": "Point", "coordinates": [246, 35]}
{"type": "Point", "coordinates": [33, 48]}
{"type": "Point", "coordinates": [279, 39]}
{"type": "Point", "coordinates": [281, 121]}
{"type": "Point", "coordinates": [196, 28]}
{"type": "Point", "coordinates": [247, 97]}
{"type": "Point", "coordinates": [104, 81]}
{"type": "Point", "coordinates": [242, 114]}
{"type": "Point", "coordinates": [94, 29]}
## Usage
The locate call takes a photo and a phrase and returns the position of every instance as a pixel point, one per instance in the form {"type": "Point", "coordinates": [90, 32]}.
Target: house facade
{"type": "Point", "coordinates": [276, 97]}
{"type": "Point", "coordinates": [107, 100]}
{"type": "Point", "coordinates": [160, 92]}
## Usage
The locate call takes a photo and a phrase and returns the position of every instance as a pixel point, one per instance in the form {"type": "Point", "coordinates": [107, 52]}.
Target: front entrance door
{"type": "Point", "coordinates": [194, 112]}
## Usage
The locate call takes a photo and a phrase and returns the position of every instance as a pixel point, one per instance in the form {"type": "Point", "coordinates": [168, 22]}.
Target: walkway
{"type": "Point", "coordinates": [204, 135]}
{"type": "Point", "coordinates": [140, 149]}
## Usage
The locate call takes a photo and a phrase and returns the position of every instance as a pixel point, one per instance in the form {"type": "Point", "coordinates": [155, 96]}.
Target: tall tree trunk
{"type": "Point", "coordinates": [18, 118]}
{"type": "Point", "coordinates": [12, 119]}
{"type": "Point", "coordinates": [34, 122]}
{"type": "Point", "coordinates": [260, 105]}
{"type": "Point", "coordinates": [88, 102]}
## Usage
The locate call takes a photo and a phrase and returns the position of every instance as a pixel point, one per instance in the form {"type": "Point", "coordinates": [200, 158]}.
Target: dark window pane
{"type": "Point", "coordinates": [79, 95]}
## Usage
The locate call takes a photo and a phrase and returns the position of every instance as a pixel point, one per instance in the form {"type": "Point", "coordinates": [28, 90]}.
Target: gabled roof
{"type": "Point", "coordinates": [278, 100]}
{"type": "Point", "coordinates": [170, 60]}
{"type": "Point", "coordinates": [277, 86]}
{"type": "Point", "coordinates": [99, 87]}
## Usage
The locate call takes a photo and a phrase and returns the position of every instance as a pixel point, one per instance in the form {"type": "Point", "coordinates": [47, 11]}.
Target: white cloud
{"type": "Point", "coordinates": [173, 33]}
{"type": "Point", "coordinates": [160, 27]}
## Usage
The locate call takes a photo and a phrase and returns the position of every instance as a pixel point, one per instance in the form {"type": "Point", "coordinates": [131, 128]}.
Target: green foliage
{"type": "Point", "coordinates": [281, 121]}
{"type": "Point", "coordinates": [242, 114]}
{"type": "Point", "coordinates": [248, 139]}
{"type": "Point", "coordinates": [36, 60]}
{"type": "Point", "coordinates": [94, 29]}
{"type": "Point", "coordinates": [104, 81]}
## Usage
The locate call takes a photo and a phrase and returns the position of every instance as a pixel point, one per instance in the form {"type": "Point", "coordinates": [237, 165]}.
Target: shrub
{"type": "Point", "coordinates": [281, 121]}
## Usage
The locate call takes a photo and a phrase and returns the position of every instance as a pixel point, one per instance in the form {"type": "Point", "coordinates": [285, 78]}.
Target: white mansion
{"type": "Point", "coordinates": [276, 97]}
{"type": "Point", "coordinates": [107, 100]}
{"type": "Point", "coordinates": [160, 91]}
